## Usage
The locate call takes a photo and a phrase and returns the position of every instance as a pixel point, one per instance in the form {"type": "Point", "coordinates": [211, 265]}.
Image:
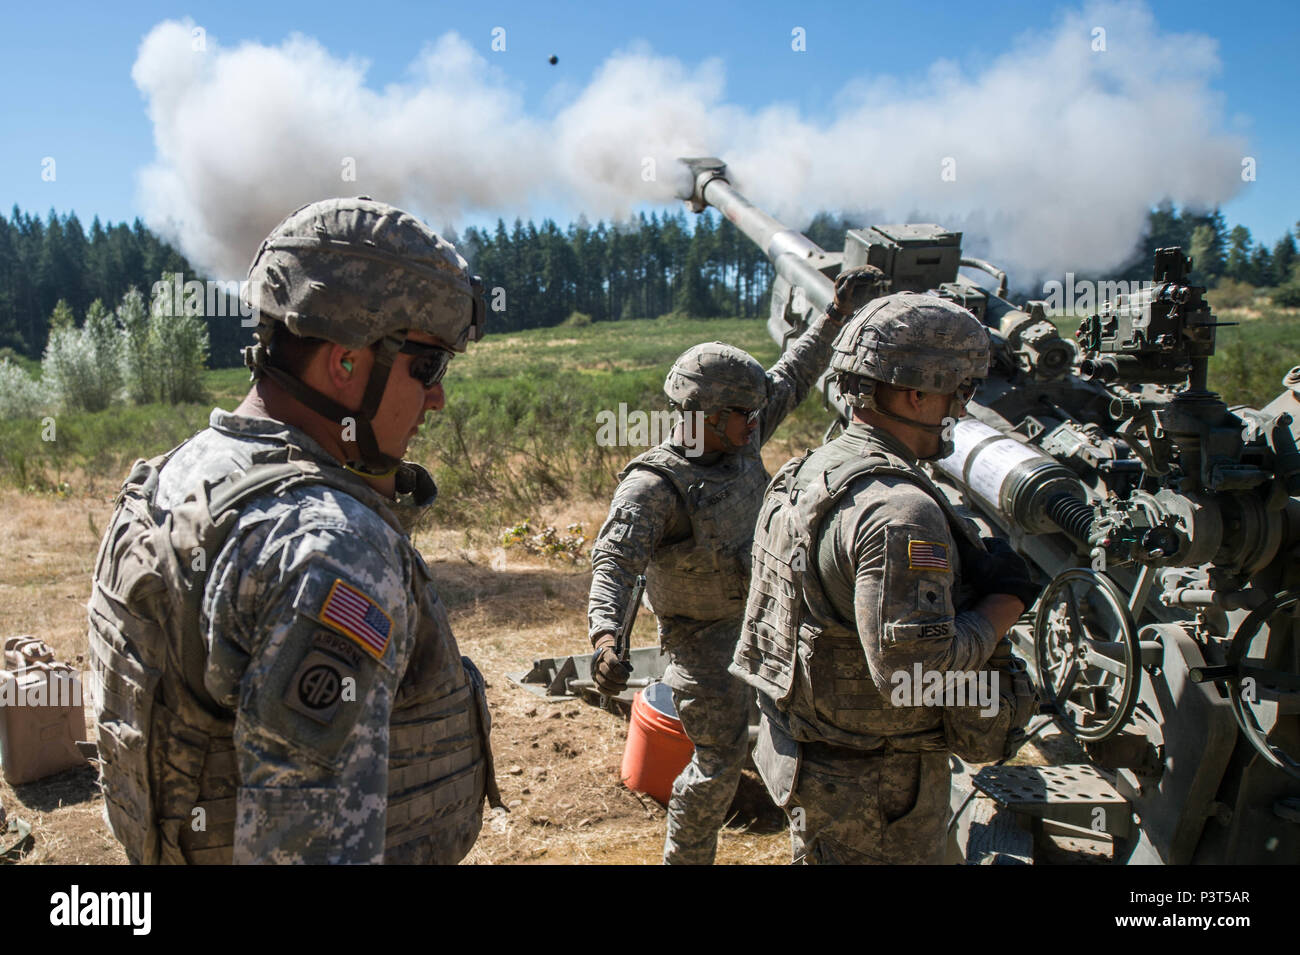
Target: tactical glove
{"type": "Point", "coordinates": [1019, 693]}
{"type": "Point", "coordinates": [608, 672]}
{"type": "Point", "coordinates": [1000, 570]}
{"type": "Point", "coordinates": [855, 288]}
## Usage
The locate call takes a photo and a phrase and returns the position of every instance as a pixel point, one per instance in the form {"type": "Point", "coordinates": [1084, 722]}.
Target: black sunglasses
{"type": "Point", "coordinates": [751, 417]}
{"type": "Point", "coordinates": [429, 363]}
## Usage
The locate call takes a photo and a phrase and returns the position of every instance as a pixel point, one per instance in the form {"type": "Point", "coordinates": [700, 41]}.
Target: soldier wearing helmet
{"type": "Point", "coordinates": [686, 520]}
{"type": "Point", "coordinates": [278, 680]}
{"type": "Point", "coordinates": [866, 581]}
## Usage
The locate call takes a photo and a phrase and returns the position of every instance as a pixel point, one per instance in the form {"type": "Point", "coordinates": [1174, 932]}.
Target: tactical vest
{"type": "Point", "coordinates": [794, 647]}
{"type": "Point", "coordinates": [157, 721]}
{"type": "Point", "coordinates": [706, 576]}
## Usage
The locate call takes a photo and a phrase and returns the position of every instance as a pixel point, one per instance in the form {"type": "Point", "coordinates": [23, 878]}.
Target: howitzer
{"type": "Point", "coordinates": [1167, 528]}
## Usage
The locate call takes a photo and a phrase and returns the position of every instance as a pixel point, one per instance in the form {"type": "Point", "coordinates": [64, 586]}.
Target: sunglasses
{"type": "Point", "coordinates": [967, 390]}
{"type": "Point", "coordinates": [751, 417]}
{"type": "Point", "coordinates": [429, 362]}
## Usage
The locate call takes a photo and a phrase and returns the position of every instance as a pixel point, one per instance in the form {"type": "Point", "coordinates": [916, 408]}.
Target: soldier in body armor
{"type": "Point", "coordinates": [277, 678]}
{"type": "Point", "coordinates": [686, 521]}
{"type": "Point", "coordinates": [864, 578]}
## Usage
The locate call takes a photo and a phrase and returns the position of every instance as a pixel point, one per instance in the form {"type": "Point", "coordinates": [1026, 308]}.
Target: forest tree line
{"type": "Point", "coordinates": [640, 268]}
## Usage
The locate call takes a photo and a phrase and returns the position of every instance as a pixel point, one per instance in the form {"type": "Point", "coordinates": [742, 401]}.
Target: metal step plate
{"type": "Point", "coordinates": [1077, 795]}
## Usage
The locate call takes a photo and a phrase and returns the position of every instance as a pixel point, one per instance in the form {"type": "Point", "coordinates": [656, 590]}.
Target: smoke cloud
{"type": "Point", "coordinates": [1047, 155]}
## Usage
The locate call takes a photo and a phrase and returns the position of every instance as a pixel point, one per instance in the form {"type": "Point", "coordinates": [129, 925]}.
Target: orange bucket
{"type": "Point", "coordinates": [657, 748]}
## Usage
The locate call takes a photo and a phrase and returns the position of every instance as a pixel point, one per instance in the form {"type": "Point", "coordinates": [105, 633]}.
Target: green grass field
{"type": "Point", "coordinates": [519, 428]}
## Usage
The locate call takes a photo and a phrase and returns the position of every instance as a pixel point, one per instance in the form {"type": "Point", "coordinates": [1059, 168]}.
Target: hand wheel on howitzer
{"type": "Point", "coordinates": [1088, 654]}
{"type": "Point", "coordinates": [1252, 686]}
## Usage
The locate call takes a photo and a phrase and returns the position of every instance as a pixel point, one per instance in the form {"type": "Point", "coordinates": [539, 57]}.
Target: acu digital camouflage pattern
{"type": "Point", "coordinates": [915, 341]}
{"type": "Point", "coordinates": [648, 517]}
{"type": "Point", "coordinates": [870, 611]}
{"type": "Point", "coordinates": [715, 376]}
{"type": "Point", "coordinates": [351, 271]}
{"type": "Point", "coordinates": [890, 808]}
{"type": "Point", "coordinates": [706, 575]}
{"type": "Point", "coordinates": [306, 741]}
{"type": "Point", "coordinates": [714, 709]}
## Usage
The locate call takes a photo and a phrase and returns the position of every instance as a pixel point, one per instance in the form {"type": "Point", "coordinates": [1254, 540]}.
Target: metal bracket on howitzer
{"type": "Point", "coordinates": [1165, 525]}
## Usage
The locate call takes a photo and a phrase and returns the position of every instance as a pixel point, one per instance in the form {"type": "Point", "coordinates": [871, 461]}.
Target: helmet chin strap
{"type": "Point", "coordinates": [946, 446]}
{"type": "Point", "coordinates": [370, 461]}
{"type": "Point", "coordinates": [720, 429]}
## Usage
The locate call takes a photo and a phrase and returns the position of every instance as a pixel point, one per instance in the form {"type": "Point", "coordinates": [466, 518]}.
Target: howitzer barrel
{"type": "Point", "coordinates": [793, 254]}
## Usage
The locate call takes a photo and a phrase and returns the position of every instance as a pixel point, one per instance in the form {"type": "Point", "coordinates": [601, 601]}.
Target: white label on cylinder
{"type": "Point", "coordinates": [994, 462]}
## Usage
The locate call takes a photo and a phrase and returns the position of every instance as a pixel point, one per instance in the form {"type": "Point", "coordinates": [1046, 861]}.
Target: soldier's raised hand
{"type": "Point", "coordinates": [855, 288]}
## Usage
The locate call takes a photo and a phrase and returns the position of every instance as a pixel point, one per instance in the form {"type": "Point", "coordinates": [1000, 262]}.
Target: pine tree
{"type": "Point", "coordinates": [1238, 262]}
{"type": "Point", "coordinates": [1261, 266]}
{"type": "Point", "coordinates": [1284, 255]}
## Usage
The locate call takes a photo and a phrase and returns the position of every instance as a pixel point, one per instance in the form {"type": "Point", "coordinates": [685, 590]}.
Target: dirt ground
{"type": "Point", "coordinates": [557, 762]}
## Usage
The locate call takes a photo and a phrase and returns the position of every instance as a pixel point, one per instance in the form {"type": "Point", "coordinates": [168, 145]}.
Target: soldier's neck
{"type": "Point", "coordinates": [914, 440]}
{"type": "Point", "coordinates": [266, 400]}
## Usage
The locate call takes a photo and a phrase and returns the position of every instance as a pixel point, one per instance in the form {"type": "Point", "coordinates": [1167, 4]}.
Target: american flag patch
{"type": "Point", "coordinates": [927, 555]}
{"type": "Point", "coordinates": [356, 615]}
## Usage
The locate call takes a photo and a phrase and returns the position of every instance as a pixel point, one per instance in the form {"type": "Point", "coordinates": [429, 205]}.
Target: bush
{"type": "Point", "coordinates": [577, 320]}
{"type": "Point", "coordinates": [105, 343]}
{"type": "Point", "coordinates": [68, 366]}
{"type": "Point", "coordinates": [82, 366]}
{"type": "Point", "coordinates": [178, 350]}
{"type": "Point", "coordinates": [21, 396]}
{"type": "Point", "coordinates": [161, 355]}
{"type": "Point", "coordinates": [1288, 296]}
{"type": "Point", "coordinates": [133, 319]}
{"type": "Point", "coordinates": [1230, 293]}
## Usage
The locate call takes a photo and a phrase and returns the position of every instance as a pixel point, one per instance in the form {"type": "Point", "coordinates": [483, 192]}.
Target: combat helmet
{"type": "Point", "coordinates": [713, 378]}
{"type": "Point", "coordinates": [358, 273]}
{"type": "Point", "coordinates": [910, 340]}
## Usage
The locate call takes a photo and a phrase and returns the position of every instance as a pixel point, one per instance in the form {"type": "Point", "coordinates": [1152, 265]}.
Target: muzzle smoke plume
{"type": "Point", "coordinates": [1047, 156]}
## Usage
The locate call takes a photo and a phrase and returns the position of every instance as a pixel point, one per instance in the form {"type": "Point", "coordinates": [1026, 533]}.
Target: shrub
{"type": "Point", "coordinates": [162, 355]}
{"type": "Point", "coordinates": [1230, 293]}
{"type": "Point", "coordinates": [21, 396]}
{"type": "Point", "coordinates": [68, 365]}
{"type": "Point", "coordinates": [82, 366]}
{"type": "Point", "coordinates": [104, 341]}
{"type": "Point", "coordinates": [1288, 296]}
{"type": "Point", "coordinates": [577, 320]}
{"type": "Point", "coordinates": [133, 320]}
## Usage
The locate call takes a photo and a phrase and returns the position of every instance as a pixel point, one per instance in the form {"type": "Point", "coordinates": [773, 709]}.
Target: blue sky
{"type": "Point", "coordinates": [66, 89]}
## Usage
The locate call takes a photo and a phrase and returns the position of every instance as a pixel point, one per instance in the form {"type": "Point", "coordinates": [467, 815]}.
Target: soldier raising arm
{"type": "Point", "coordinates": [718, 382]}
{"type": "Point", "coordinates": [684, 516]}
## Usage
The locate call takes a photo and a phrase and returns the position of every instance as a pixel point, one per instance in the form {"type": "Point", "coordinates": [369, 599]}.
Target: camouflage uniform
{"type": "Point", "coordinates": [276, 677]}
{"type": "Point", "coordinates": [652, 529]}
{"type": "Point", "coordinates": [854, 581]}
{"type": "Point", "coordinates": [314, 781]}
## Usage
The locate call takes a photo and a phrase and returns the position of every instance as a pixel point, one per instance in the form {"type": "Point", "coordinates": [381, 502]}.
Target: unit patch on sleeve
{"type": "Point", "coordinates": [358, 617]}
{"type": "Point", "coordinates": [927, 555]}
